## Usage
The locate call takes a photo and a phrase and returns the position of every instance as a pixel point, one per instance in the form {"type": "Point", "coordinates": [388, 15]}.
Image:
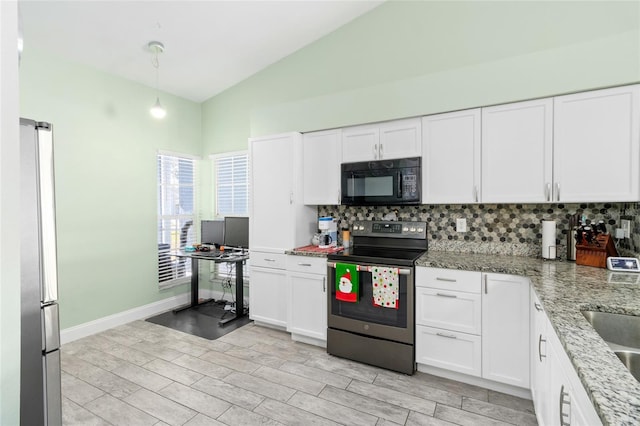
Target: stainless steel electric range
{"type": "Point", "coordinates": [374, 325]}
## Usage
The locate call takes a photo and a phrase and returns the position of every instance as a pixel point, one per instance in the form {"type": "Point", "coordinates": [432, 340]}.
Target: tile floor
{"type": "Point", "coordinates": [146, 374]}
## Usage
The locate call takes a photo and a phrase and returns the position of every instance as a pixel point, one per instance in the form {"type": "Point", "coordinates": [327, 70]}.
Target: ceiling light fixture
{"type": "Point", "coordinates": [157, 110]}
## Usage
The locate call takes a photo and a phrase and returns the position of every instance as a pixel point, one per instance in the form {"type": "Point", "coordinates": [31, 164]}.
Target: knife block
{"type": "Point", "coordinates": [596, 254]}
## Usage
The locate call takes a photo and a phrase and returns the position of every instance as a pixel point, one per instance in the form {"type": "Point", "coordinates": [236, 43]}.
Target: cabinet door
{"type": "Point", "coordinates": [307, 304]}
{"type": "Point", "coordinates": [272, 192]}
{"type": "Point", "coordinates": [268, 296]}
{"type": "Point", "coordinates": [449, 310]}
{"type": "Point", "coordinates": [400, 139]}
{"type": "Point", "coordinates": [451, 157]}
{"type": "Point", "coordinates": [321, 159]}
{"type": "Point", "coordinates": [517, 152]}
{"type": "Point", "coordinates": [505, 329]}
{"type": "Point", "coordinates": [596, 139]}
{"type": "Point", "coordinates": [539, 362]}
{"type": "Point", "coordinates": [360, 143]}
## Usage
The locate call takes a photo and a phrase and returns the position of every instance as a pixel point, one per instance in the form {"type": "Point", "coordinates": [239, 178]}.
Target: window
{"type": "Point", "coordinates": [176, 215]}
{"type": "Point", "coordinates": [231, 171]}
{"type": "Point", "coordinates": [232, 184]}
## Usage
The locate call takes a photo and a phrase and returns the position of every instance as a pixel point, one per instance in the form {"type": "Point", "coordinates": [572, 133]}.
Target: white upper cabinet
{"type": "Point", "coordinates": [321, 157]}
{"type": "Point", "coordinates": [517, 152]}
{"type": "Point", "coordinates": [451, 157]}
{"type": "Point", "coordinates": [596, 145]}
{"type": "Point", "coordinates": [400, 139]}
{"type": "Point", "coordinates": [382, 141]}
{"type": "Point", "coordinates": [278, 220]}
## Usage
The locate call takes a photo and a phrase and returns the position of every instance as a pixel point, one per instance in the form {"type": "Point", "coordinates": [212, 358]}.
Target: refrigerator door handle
{"type": "Point", "coordinates": [50, 328]}
{"type": "Point", "coordinates": [47, 213]}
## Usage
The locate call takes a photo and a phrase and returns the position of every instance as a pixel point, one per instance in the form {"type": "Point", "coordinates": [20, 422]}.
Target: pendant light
{"type": "Point", "coordinates": [157, 110]}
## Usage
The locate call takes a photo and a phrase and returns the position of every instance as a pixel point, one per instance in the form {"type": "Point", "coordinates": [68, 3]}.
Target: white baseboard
{"type": "Point", "coordinates": [141, 312]}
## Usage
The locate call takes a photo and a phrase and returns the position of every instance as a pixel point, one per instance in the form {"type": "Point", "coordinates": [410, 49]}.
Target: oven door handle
{"type": "Point", "coordinates": [363, 268]}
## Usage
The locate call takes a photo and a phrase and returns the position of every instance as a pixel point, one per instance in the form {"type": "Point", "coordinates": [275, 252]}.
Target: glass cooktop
{"type": "Point", "coordinates": [378, 255]}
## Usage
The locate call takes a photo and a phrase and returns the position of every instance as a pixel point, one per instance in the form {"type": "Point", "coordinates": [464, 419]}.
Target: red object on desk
{"type": "Point", "coordinates": [315, 249]}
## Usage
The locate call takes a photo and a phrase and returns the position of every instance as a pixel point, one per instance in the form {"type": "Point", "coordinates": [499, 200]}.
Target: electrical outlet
{"type": "Point", "coordinates": [461, 225]}
{"type": "Point", "coordinates": [626, 226]}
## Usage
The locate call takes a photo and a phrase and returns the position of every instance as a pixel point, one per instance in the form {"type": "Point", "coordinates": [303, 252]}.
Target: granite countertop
{"type": "Point", "coordinates": [314, 251]}
{"type": "Point", "coordinates": [565, 289]}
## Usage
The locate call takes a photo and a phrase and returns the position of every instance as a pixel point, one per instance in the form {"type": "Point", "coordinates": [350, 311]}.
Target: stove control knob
{"type": "Point", "coordinates": [413, 229]}
{"type": "Point", "coordinates": [420, 229]}
{"type": "Point", "coordinates": [405, 229]}
{"type": "Point", "coordinates": [361, 228]}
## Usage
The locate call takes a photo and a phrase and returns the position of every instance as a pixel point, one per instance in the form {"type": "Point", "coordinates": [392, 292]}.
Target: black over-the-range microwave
{"type": "Point", "coordinates": [382, 182]}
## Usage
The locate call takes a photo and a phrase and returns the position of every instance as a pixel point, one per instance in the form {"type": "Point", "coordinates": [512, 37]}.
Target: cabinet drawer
{"type": "Point", "coordinates": [449, 310]}
{"type": "Point", "coordinates": [269, 260]}
{"type": "Point", "coordinates": [449, 279]}
{"type": "Point", "coordinates": [311, 265]}
{"type": "Point", "coordinates": [449, 350]}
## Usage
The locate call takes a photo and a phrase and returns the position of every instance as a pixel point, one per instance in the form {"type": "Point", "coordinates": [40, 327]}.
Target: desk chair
{"type": "Point", "coordinates": [180, 267]}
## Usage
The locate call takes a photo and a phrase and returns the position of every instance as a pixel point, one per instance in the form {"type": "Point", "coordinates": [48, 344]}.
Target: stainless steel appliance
{"type": "Point", "coordinates": [383, 182]}
{"type": "Point", "coordinates": [361, 330]}
{"type": "Point", "coordinates": [40, 383]}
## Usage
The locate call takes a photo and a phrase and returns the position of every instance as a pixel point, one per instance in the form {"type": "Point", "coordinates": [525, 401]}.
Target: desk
{"type": "Point", "coordinates": [218, 257]}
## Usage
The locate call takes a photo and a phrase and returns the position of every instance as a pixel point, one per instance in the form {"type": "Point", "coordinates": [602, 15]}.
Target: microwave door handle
{"type": "Point", "coordinates": [399, 184]}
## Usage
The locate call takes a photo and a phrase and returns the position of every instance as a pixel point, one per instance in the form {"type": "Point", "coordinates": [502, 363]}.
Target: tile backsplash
{"type": "Point", "coordinates": [498, 228]}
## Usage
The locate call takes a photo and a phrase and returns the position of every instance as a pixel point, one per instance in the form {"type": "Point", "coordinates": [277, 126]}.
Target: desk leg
{"type": "Point", "coordinates": [239, 295]}
{"type": "Point", "coordinates": [194, 288]}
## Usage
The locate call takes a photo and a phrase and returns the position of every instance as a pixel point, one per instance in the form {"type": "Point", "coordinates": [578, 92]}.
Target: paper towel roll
{"type": "Point", "coordinates": [549, 239]}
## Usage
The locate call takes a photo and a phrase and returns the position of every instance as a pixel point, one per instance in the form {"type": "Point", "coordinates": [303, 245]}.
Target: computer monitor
{"type": "Point", "coordinates": [212, 232]}
{"type": "Point", "coordinates": [236, 232]}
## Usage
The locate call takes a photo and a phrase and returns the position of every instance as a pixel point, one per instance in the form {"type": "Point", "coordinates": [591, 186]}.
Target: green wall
{"type": "Point", "coordinates": [106, 185]}
{"type": "Point", "coordinates": [401, 59]}
{"type": "Point", "coordinates": [413, 58]}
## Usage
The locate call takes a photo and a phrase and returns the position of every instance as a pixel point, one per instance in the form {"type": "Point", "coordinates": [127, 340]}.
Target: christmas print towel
{"type": "Point", "coordinates": [346, 282]}
{"type": "Point", "coordinates": [385, 287]}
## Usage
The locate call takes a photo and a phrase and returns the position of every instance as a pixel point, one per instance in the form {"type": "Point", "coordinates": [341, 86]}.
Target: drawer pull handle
{"type": "Point", "coordinates": [538, 307]}
{"type": "Point", "coordinates": [449, 280]}
{"type": "Point", "coordinates": [446, 295]}
{"type": "Point", "coordinates": [269, 260]}
{"type": "Point", "coordinates": [304, 264]}
{"type": "Point", "coordinates": [448, 336]}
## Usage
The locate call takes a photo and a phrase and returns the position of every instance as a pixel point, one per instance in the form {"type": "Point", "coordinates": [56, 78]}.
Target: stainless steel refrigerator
{"type": "Point", "coordinates": [40, 387]}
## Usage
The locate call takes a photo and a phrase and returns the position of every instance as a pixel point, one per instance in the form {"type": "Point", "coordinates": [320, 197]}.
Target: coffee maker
{"type": "Point", "coordinates": [328, 232]}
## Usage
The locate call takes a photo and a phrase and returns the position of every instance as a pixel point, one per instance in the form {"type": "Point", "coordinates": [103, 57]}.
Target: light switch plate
{"type": "Point", "coordinates": [461, 225]}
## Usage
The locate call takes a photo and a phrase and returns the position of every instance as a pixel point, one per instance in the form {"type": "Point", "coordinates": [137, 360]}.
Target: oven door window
{"type": "Point", "coordinates": [365, 310]}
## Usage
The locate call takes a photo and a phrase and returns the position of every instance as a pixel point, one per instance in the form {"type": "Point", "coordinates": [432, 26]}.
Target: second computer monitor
{"type": "Point", "coordinates": [236, 232]}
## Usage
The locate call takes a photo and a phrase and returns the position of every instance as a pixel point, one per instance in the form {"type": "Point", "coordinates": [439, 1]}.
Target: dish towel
{"type": "Point", "coordinates": [385, 287]}
{"type": "Point", "coordinates": [346, 282]}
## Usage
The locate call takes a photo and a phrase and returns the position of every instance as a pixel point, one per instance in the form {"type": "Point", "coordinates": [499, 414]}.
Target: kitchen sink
{"type": "Point", "coordinates": [622, 334]}
{"type": "Point", "coordinates": [631, 360]}
{"type": "Point", "coordinates": [621, 330]}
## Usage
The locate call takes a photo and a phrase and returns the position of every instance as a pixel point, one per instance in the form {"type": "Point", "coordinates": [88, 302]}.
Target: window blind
{"type": "Point", "coordinates": [176, 216]}
{"type": "Point", "coordinates": [232, 184]}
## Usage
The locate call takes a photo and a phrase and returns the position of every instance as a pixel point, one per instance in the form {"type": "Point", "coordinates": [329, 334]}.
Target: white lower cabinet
{"type": "Point", "coordinates": [307, 293]}
{"type": "Point", "coordinates": [473, 323]}
{"type": "Point", "coordinates": [267, 289]}
{"type": "Point", "coordinates": [558, 395]}
{"type": "Point", "coordinates": [448, 320]}
{"type": "Point", "coordinates": [505, 329]}
{"type": "Point", "coordinates": [540, 386]}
